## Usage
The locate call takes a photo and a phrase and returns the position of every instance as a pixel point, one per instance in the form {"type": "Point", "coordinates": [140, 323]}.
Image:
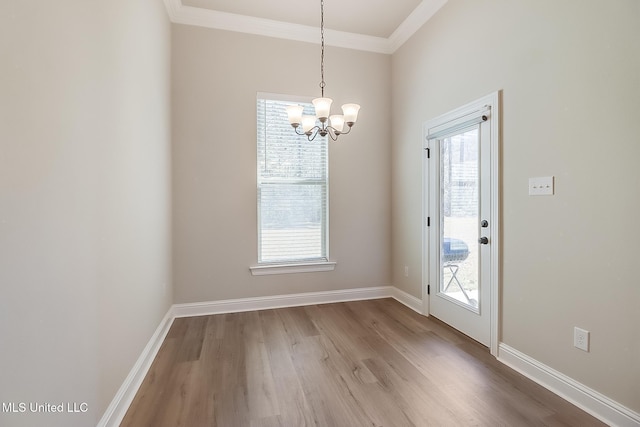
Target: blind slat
{"type": "Point", "coordinates": [292, 187]}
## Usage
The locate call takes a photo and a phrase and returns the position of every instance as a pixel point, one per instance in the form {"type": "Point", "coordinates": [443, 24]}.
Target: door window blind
{"type": "Point", "coordinates": [292, 188]}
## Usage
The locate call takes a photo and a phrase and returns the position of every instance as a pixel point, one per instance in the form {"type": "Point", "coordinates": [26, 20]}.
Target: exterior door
{"type": "Point", "coordinates": [461, 224]}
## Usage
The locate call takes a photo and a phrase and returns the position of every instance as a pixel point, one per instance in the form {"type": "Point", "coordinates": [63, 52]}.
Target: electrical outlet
{"type": "Point", "coordinates": [406, 271]}
{"type": "Point", "coordinates": [581, 339]}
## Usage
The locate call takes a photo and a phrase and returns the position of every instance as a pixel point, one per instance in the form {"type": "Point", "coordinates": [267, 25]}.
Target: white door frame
{"type": "Point", "coordinates": [493, 102]}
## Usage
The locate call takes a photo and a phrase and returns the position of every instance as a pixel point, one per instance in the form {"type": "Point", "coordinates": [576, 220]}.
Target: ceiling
{"type": "Point", "coordinates": [371, 25]}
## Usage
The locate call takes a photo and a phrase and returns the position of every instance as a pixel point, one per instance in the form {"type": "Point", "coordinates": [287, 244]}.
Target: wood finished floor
{"type": "Point", "coordinates": [364, 363]}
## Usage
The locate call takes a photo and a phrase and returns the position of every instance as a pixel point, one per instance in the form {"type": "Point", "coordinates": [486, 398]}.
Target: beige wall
{"type": "Point", "coordinates": [570, 75]}
{"type": "Point", "coordinates": [84, 199]}
{"type": "Point", "coordinates": [216, 76]}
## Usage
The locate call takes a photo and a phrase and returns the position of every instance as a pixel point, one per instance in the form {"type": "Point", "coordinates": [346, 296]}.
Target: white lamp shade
{"type": "Point", "coordinates": [350, 112]}
{"type": "Point", "coordinates": [308, 122]}
{"type": "Point", "coordinates": [323, 107]}
{"type": "Point", "coordinates": [337, 122]}
{"type": "Point", "coordinates": [295, 113]}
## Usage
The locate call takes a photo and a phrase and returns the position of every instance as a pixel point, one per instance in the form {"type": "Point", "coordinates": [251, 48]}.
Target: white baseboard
{"type": "Point", "coordinates": [280, 301]}
{"type": "Point", "coordinates": [585, 398]}
{"type": "Point", "coordinates": [410, 301]}
{"type": "Point", "coordinates": [580, 395]}
{"type": "Point", "coordinates": [118, 408]}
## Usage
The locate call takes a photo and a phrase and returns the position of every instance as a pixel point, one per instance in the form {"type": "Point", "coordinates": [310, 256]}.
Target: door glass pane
{"type": "Point", "coordinates": [459, 209]}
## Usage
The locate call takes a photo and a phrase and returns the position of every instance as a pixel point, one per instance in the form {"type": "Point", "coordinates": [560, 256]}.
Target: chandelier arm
{"type": "Point", "coordinates": [297, 132]}
{"type": "Point", "coordinates": [311, 135]}
{"type": "Point", "coordinates": [347, 132]}
{"type": "Point", "coordinates": [333, 133]}
{"type": "Point", "coordinates": [338, 133]}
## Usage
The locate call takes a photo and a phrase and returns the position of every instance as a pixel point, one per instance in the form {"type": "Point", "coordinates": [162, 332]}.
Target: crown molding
{"type": "Point", "coordinates": [188, 15]}
{"type": "Point", "coordinates": [420, 15]}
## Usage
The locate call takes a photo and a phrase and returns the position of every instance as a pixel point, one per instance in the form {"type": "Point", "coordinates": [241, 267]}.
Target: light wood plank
{"type": "Point", "coordinates": [362, 363]}
{"type": "Point", "coordinates": [292, 403]}
{"type": "Point", "coordinates": [262, 396]}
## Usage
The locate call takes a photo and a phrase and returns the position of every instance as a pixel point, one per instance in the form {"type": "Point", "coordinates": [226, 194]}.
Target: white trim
{"type": "Point", "coordinates": [303, 267]}
{"type": "Point", "coordinates": [585, 398]}
{"type": "Point", "coordinates": [284, 97]}
{"type": "Point", "coordinates": [279, 301]}
{"type": "Point", "coordinates": [489, 105]}
{"type": "Point", "coordinates": [189, 15]}
{"type": "Point", "coordinates": [414, 303]}
{"type": "Point", "coordinates": [120, 404]}
{"type": "Point", "coordinates": [459, 123]}
{"type": "Point", "coordinates": [578, 394]}
{"type": "Point", "coordinates": [495, 101]}
{"type": "Point", "coordinates": [118, 407]}
{"type": "Point", "coordinates": [420, 15]}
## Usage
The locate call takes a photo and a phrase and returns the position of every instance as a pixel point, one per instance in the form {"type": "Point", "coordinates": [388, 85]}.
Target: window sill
{"type": "Point", "coordinates": [303, 267]}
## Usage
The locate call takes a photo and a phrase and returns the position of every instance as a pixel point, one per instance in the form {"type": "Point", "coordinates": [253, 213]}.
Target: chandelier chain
{"type": "Point", "coordinates": [322, 83]}
{"type": "Point", "coordinates": [333, 126]}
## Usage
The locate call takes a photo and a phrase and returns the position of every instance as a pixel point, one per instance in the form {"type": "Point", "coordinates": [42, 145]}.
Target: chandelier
{"type": "Point", "coordinates": [332, 125]}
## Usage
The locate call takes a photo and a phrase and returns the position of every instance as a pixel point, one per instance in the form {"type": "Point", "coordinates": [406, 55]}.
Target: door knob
{"type": "Point", "coordinates": [483, 240]}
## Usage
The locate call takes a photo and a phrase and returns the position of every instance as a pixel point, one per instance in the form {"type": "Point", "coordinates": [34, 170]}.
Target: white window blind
{"type": "Point", "coordinates": [292, 188]}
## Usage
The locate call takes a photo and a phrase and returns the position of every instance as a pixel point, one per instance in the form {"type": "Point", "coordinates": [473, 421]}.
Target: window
{"type": "Point", "coordinates": [292, 189]}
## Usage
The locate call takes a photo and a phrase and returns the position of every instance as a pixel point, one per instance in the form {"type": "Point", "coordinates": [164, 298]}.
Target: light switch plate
{"type": "Point", "coordinates": [541, 186]}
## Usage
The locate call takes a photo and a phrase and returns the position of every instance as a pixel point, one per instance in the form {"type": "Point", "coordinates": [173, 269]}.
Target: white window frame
{"type": "Point", "coordinates": [292, 265]}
